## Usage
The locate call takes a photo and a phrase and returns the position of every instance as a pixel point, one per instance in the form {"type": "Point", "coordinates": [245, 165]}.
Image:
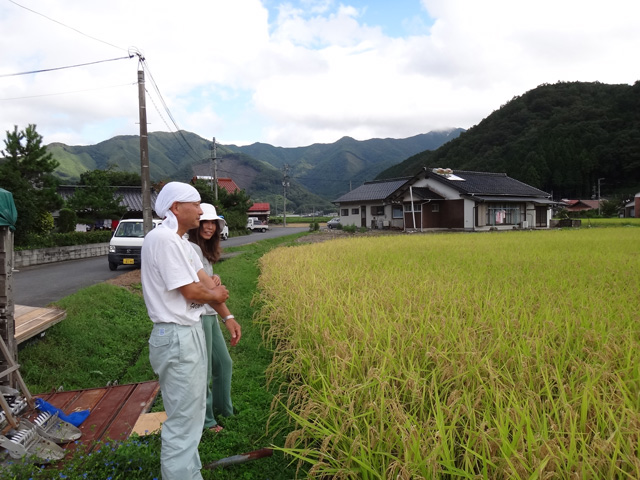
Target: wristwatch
{"type": "Point", "coordinates": [224, 319]}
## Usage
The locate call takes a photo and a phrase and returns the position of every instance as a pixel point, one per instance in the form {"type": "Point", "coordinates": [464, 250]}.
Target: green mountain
{"type": "Point", "coordinates": [317, 174]}
{"type": "Point", "coordinates": [560, 138]}
{"type": "Point", "coordinates": [333, 169]}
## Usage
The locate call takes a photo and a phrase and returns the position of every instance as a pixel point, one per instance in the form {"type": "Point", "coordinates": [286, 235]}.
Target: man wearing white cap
{"type": "Point", "coordinates": [175, 293]}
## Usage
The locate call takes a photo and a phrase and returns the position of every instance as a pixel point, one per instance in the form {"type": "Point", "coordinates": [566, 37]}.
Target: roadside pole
{"type": "Point", "coordinates": [7, 307]}
{"type": "Point", "coordinates": [147, 217]}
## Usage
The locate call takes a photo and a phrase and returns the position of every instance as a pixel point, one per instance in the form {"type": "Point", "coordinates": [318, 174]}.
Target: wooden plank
{"type": "Point", "coordinates": [31, 321]}
{"type": "Point", "coordinates": [149, 423]}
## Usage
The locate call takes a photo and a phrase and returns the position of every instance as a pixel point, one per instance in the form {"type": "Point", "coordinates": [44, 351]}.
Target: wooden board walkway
{"type": "Point", "coordinates": [32, 321]}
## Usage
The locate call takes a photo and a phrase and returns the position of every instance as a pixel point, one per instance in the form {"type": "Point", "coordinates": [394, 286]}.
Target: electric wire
{"type": "Point", "coordinates": [62, 68]}
{"type": "Point", "coordinates": [166, 108]}
{"type": "Point", "coordinates": [169, 128]}
{"type": "Point", "coordinates": [67, 26]}
{"type": "Point", "coordinates": [67, 93]}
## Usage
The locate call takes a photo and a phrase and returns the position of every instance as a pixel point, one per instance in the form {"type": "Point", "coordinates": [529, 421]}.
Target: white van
{"type": "Point", "coordinates": [126, 242]}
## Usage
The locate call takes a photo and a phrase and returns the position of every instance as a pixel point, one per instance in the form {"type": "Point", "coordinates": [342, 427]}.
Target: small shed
{"type": "Point", "coordinates": [260, 210]}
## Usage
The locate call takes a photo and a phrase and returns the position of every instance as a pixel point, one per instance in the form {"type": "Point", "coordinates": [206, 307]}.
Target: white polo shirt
{"type": "Point", "coordinates": [167, 263]}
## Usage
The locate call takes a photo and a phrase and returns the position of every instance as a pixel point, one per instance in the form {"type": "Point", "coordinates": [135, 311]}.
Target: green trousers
{"type": "Point", "coordinates": [219, 367]}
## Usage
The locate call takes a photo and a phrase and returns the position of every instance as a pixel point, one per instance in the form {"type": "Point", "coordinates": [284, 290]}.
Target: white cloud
{"type": "Point", "coordinates": [299, 72]}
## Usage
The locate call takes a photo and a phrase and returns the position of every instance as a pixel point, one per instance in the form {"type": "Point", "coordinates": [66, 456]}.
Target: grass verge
{"type": "Point", "coordinates": [104, 338]}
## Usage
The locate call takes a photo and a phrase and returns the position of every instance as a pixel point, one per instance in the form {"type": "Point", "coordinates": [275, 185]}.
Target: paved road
{"type": "Point", "coordinates": [40, 285]}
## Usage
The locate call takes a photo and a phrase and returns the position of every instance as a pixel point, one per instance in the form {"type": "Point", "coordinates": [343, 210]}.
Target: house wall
{"type": "Point", "coordinates": [455, 212]}
{"type": "Point", "coordinates": [528, 214]}
{"type": "Point", "coordinates": [373, 221]}
{"type": "Point", "coordinates": [431, 219]}
{"type": "Point", "coordinates": [350, 219]}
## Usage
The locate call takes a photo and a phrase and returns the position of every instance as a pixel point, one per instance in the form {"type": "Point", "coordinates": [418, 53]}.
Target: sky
{"type": "Point", "coordinates": [294, 73]}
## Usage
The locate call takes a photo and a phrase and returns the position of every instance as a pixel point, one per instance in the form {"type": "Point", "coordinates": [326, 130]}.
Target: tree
{"type": "Point", "coordinates": [95, 198]}
{"type": "Point", "coordinates": [233, 206]}
{"type": "Point", "coordinates": [26, 171]}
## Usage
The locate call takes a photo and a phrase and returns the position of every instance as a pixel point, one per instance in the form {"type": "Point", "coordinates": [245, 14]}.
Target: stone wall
{"type": "Point", "coordinates": [26, 258]}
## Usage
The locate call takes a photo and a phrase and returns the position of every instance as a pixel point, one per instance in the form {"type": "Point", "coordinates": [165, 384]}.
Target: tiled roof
{"type": "Point", "coordinates": [486, 183]}
{"type": "Point", "coordinates": [131, 196]}
{"type": "Point", "coordinates": [260, 207]}
{"type": "Point", "coordinates": [223, 182]}
{"type": "Point", "coordinates": [378, 190]}
{"type": "Point", "coordinates": [228, 184]}
{"type": "Point", "coordinates": [582, 204]}
{"type": "Point", "coordinates": [423, 193]}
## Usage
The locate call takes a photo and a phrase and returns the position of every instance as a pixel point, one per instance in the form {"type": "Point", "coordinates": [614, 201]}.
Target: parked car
{"type": "Point", "coordinates": [126, 243]}
{"type": "Point", "coordinates": [333, 223]}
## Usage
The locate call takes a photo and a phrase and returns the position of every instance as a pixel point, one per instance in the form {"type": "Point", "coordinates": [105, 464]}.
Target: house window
{"type": "Point", "coordinates": [396, 211]}
{"type": "Point", "coordinates": [377, 210]}
{"type": "Point", "coordinates": [435, 207]}
{"type": "Point", "coordinates": [417, 207]}
{"type": "Point", "coordinates": [344, 212]}
{"type": "Point", "coordinates": [355, 211]}
{"type": "Point", "coordinates": [503, 214]}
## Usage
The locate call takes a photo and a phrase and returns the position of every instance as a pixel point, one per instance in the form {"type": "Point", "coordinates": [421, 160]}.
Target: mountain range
{"type": "Point", "coordinates": [316, 174]}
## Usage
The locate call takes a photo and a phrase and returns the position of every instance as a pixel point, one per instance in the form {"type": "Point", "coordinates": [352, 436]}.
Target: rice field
{"type": "Point", "coordinates": [512, 355]}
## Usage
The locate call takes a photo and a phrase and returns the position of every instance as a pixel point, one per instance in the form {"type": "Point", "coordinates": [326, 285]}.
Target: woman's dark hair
{"type": "Point", "coordinates": [210, 248]}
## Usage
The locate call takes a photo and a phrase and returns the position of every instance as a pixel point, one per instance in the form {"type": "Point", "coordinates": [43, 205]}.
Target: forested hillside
{"type": "Point", "coordinates": [317, 174]}
{"type": "Point", "coordinates": [560, 138]}
{"type": "Point", "coordinates": [331, 169]}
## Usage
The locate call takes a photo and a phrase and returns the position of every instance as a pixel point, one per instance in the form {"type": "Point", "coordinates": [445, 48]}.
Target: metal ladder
{"type": "Point", "coordinates": [36, 440]}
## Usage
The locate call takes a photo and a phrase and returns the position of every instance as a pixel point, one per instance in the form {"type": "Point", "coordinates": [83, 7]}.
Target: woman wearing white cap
{"type": "Point", "coordinates": [205, 240]}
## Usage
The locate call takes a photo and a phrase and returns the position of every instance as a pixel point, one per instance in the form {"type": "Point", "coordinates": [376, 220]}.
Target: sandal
{"type": "Point", "coordinates": [216, 428]}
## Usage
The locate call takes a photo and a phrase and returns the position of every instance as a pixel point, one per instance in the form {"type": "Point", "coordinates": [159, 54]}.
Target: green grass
{"type": "Point", "coordinates": [609, 222]}
{"type": "Point", "coordinates": [104, 338]}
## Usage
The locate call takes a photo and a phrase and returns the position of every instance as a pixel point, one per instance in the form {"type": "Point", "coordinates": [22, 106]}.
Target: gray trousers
{"type": "Point", "coordinates": [178, 356]}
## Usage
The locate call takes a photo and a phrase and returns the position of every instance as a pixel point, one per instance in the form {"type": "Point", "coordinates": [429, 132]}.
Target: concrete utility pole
{"type": "Point", "coordinates": [147, 217]}
{"type": "Point", "coordinates": [214, 159]}
{"type": "Point", "coordinates": [599, 205]}
{"type": "Point", "coordinates": [285, 185]}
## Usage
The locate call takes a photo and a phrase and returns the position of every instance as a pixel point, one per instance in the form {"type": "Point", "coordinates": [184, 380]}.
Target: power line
{"type": "Point", "coordinates": [66, 93]}
{"type": "Point", "coordinates": [173, 133]}
{"type": "Point", "coordinates": [131, 52]}
{"type": "Point", "coordinates": [166, 108]}
{"type": "Point", "coordinates": [67, 26]}
{"type": "Point", "coordinates": [62, 68]}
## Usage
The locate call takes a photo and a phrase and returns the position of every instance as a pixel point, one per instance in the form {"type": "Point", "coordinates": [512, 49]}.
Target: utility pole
{"type": "Point", "coordinates": [285, 185]}
{"type": "Point", "coordinates": [144, 156]}
{"type": "Point", "coordinates": [599, 205]}
{"type": "Point", "coordinates": [214, 166]}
